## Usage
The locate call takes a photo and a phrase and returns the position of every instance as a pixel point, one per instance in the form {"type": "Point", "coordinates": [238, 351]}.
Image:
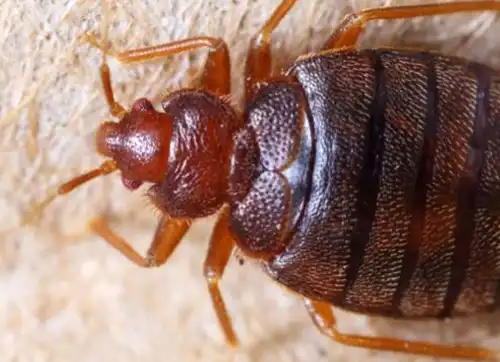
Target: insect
{"type": "Point", "coordinates": [366, 180]}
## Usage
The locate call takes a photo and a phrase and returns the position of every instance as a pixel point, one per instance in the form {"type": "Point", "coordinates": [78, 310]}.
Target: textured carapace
{"type": "Point", "coordinates": [184, 151]}
{"type": "Point", "coordinates": [406, 159]}
{"type": "Point", "coordinates": [265, 217]}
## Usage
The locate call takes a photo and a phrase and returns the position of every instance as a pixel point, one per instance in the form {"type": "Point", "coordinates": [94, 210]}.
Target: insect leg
{"type": "Point", "coordinates": [105, 168]}
{"type": "Point", "coordinates": [258, 65]}
{"type": "Point", "coordinates": [168, 235]}
{"type": "Point", "coordinates": [322, 316]}
{"type": "Point", "coordinates": [349, 30]}
{"type": "Point", "coordinates": [216, 75]}
{"type": "Point", "coordinates": [219, 250]}
{"type": "Point", "coordinates": [115, 108]}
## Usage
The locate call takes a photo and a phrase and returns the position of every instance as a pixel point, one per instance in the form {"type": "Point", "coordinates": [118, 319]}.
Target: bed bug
{"type": "Point", "coordinates": [363, 179]}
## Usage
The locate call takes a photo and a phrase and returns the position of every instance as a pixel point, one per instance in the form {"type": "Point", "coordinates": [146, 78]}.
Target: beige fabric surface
{"type": "Point", "coordinates": [64, 294]}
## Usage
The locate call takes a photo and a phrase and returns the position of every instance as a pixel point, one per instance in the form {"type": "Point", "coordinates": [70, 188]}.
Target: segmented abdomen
{"type": "Point", "coordinates": [412, 181]}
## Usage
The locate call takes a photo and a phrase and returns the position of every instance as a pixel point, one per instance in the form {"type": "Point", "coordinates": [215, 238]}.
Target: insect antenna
{"type": "Point", "coordinates": [105, 168]}
{"type": "Point", "coordinates": [105, 30]}
{"type": "Point", "coordinates": [36, 210]}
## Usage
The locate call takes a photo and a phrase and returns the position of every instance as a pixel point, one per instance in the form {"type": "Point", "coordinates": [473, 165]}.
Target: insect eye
{"type": "Point", "coordinates": [131, 184]}
{"type": "Point", "coordinates": [142, 105]}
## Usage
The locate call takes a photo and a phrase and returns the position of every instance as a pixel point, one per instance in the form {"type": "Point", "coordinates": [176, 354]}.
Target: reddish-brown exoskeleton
{"type": "Point", "coordinates": [359, 178]}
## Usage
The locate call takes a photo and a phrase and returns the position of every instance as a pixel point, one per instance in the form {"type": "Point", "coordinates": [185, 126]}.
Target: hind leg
{"type": "Point", "coordinates": [323, 318]}
{"type": "Point", "coordinates": [348, 32]}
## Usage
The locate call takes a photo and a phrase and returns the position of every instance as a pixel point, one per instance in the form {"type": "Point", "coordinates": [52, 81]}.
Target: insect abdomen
{"type": "Point", "coordinates": [411, 227]}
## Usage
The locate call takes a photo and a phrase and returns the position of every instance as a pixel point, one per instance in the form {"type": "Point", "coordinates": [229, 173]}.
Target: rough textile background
{"type": "Point", "coordinates": [66, 296]}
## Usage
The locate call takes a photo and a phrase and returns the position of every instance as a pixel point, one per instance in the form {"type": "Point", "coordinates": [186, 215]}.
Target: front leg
{"type": "Point", "coordinates": [168, 235]}
{"type": "Point", "coordinates": [216, 74]}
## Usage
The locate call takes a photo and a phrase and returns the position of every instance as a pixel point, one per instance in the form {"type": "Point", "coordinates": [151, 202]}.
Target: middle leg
{"type": "Point", "coordinates": [258, 65]}
{"type": "Point", "coordinates": [216, 74]}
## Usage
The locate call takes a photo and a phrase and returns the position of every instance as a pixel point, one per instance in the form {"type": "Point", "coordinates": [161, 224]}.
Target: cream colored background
{"type": "Point", "coordinates": [65, 295]}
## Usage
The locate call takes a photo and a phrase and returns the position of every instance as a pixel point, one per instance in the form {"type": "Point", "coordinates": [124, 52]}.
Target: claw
{"type": "Point", "coordinates": [90, 38]}
{"type": "Point", "coordinates": [35, 212]}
